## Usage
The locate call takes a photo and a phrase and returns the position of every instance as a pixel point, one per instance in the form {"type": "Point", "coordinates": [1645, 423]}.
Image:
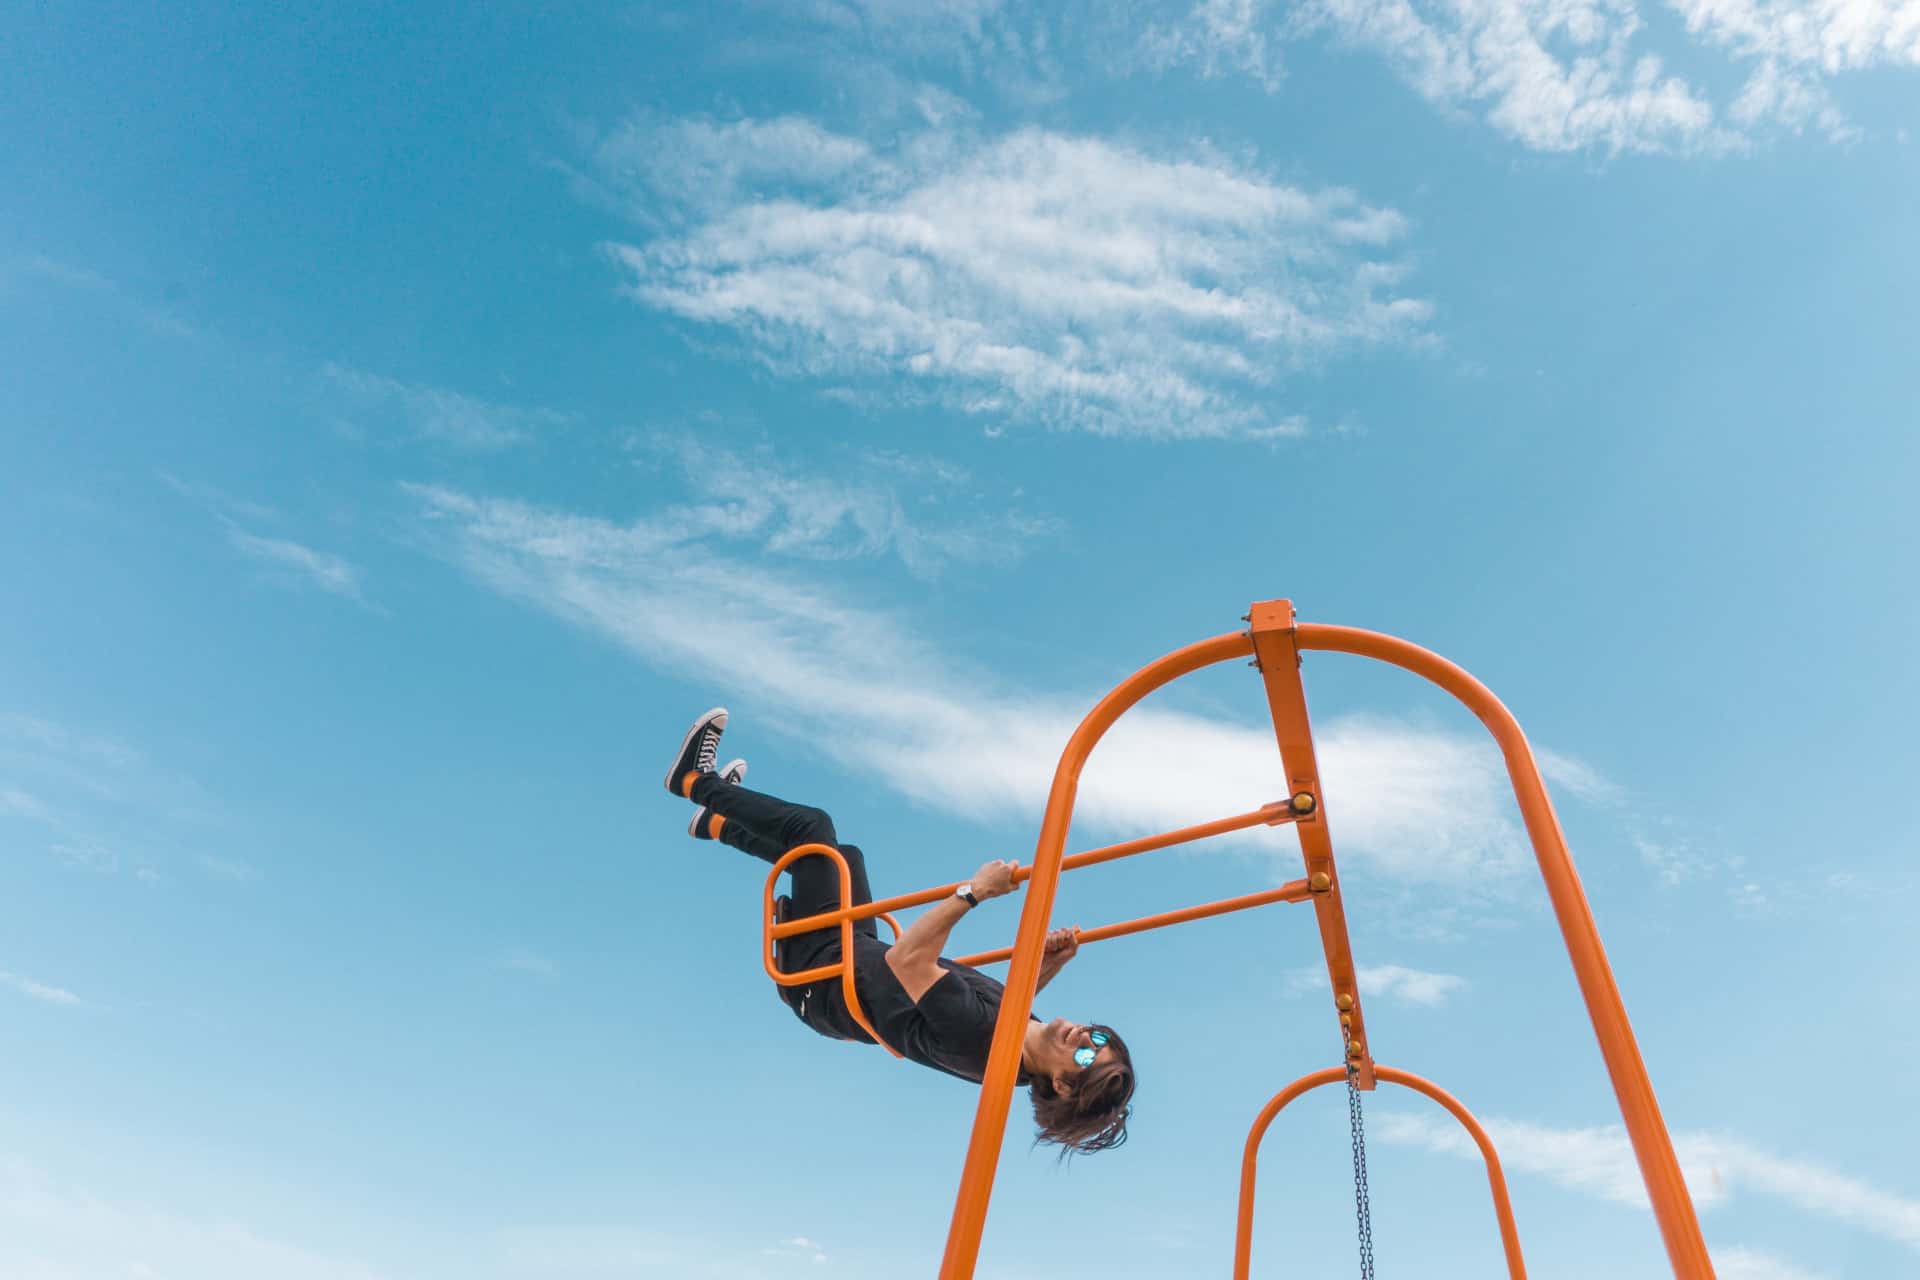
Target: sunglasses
{"type": "Point", "coordinates": [1085, 1054]}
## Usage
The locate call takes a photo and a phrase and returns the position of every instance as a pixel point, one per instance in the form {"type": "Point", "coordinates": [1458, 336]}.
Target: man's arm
{"type": "Point", "coordinates": [915, 959]}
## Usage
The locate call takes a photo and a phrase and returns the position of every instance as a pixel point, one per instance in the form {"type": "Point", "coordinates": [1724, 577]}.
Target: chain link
{"type": "Point", "coordinates": [1363, 1212]}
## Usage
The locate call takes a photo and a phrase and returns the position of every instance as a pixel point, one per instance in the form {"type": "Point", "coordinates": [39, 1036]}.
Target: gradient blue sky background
{"type": "Point", "coordinates": [414, 414]}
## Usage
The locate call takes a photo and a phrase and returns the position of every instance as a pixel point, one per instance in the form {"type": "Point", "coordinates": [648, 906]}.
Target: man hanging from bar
{"type": "Point", "coordinates": [931, 1010]}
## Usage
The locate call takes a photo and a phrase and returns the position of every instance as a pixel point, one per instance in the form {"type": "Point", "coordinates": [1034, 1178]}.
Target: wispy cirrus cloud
{"type": "Point", "coordinates": [1218, 37]}
{"type": "Point", "coordinates": [51, 1231]}
{"type": "Point", "coordinates": [296, 561]}
{"type": "Point", "coordinates": [1555, 75]}
{"type": "Point", "coordinates": [799, 1247]}
{"type": "Point", "coordinates": [232, 869]}
{"type": "Point", "coordinates": [1425, 805]}
{"type": "Point", "coordinates": [620, 1251]}
{"type": "Point", "coordinates": [1739, 1263]}
{"type": "Point", "coordinates": [1599, 1162]}
{"type": "Point", "coordinates": [16, 803]}
{"type": "Point", "coordinates": [1018, 52]}
{"type": "Point", "coordinates": [1798, 46]}
{"type": "Point", "coordinates": [702, 166]}
{"type": "Point", "coordinates": [521, 959]}
{"type": "Point", "coordinates": [96, 803]}
{"type": "Point", "coordinates": [37, 990]}
{"type": "Point", "coordinates": [1032, 277]}
{"type": "Point", "coordinates": [438, 414]}
{"type": "Point", "coordinates": [41, 269]}
{"type": "Point", "coordinates": [868, 504]}
{"type": "Point", "coordinates": [331, 573]}
{"type": "Point", "coordinates": [1386, 981]}
{"type": "Point", "coordinates": [1565, 75]}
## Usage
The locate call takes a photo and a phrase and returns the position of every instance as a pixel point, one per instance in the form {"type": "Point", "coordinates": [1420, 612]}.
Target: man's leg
{"type": "Point", "coordinates": [767, 826]}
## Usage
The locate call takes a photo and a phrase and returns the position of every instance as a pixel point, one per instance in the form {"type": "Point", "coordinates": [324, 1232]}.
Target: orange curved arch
{"type": "Point", "coordinates": [1639, 1109]}
{"type": "Point", "coordinates": [1249, 1159]}
{"type": "Point", "coordinates": [1673, 1207]}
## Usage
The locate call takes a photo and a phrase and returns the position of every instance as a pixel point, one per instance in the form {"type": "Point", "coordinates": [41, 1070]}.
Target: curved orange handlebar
{"type": "Point", "coordinates": [843, 968]}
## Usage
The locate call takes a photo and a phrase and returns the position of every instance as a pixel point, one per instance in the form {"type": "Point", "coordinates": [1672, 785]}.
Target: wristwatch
{"type": "Point", "coordinates": [964, 892]}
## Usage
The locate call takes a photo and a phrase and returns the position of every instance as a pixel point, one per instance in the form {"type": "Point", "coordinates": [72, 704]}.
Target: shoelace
{"type": "Point", "coordinates": [709, 751]}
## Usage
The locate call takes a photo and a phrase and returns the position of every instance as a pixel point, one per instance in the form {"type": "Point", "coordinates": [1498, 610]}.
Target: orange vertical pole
{"type": "Point", "coordinates": [1659, 1167]}
{"type": "Point", "coordinates": [1273, 645]}
{"type": "Point", "coordinates": [1003, 1060]}
{"type": "Point", "coordinates": [1496, 1179]}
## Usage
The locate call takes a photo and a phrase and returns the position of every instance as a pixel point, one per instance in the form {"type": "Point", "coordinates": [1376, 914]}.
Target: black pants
{"type": "Point", "coordinates": [766, 827]}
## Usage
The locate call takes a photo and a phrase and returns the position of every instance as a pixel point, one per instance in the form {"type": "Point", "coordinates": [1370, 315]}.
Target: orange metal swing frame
{"type": "Point", "coordinates": [1275, 640]}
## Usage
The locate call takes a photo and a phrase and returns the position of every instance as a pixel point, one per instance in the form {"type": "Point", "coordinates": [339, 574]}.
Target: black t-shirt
{"type": "Point", "coordinates": [950, 1029]}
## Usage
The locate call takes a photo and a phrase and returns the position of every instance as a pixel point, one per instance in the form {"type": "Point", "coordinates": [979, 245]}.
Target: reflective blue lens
{"type": "Point", "coordinates": [1084, 1056]}
{"type": "Point", "coordinates": [1098, 1037]}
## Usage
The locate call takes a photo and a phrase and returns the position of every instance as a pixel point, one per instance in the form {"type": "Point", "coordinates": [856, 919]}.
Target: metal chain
{"type": "Point", "coordinates": [1363, 1212]}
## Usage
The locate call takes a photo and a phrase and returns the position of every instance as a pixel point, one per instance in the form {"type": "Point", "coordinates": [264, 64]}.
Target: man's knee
{"type": "Point", "coordinates": [807, 825]}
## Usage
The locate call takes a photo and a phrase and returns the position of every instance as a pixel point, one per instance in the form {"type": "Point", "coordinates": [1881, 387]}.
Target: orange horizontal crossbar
{"type": "Point", "coordinates": [1271, 815]}
{"type": "Point", "coordinates": [1291, 891]}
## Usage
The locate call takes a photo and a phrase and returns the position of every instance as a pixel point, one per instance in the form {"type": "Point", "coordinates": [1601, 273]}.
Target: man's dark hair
{"type": "Point", "coordinates": [1094, 1116]}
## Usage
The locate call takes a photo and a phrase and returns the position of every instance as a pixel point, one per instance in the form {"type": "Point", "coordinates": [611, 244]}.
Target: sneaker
{"type": "Point", "coordinates": [706, 823]}
{"type": "Point", "coordinates": [697, 751]}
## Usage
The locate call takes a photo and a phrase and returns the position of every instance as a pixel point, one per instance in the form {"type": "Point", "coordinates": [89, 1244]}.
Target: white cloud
{"type": "Point", "coordinates": [86, 855]}
{"type": "Point", "coordinates": [53, 1231]}
{"type": "Point", "coordinates": [1815, 35]}
{"type": "Point", "coordinates": [1599, 1162]}
{"type": "Point", "coordinates": [1750, 899]}
{"type": "Point", "coordinates": [798, 1247]}
{"type": "Point", "coordinates": [100, 802]}
{"type": "Point", "coordinates": [701, 164]}
{"type": "Point", "coordinates": [49, 1232]}
{"type": "Point", "coordinates": [619, 1252]}
{"type": "Point", "coordinates": [66, 275]}
{"type": "Point", "coordinates": [15, 803]}
{"type": "Point", "coordinates": [1561, 75]}
{"type": "Point", "coordinates": [435, 413]}
{"type": "Point", "coordinates": [1218, 37]}
{"type": "Point", "coordinates": [526, 960]}
{"type": "Point", "coordinates": [1424, 805]}
{"type": "Point", "coordinates": [1388, 981]}
{"type": "Point", "coordinates": [49, 740]}
{"type": "Point", "coordinates": [227, 868]}
{"type": "Point", "coordinates": [1556, 75]}
{"type": "Point", "coordinates": [1036, 277]}
{"type": "Point", "coordinates": [37, 990]}
{"type": "Point", "coordinates": [855, 510]}
{"type": "Point", "coordinates": [856, 43]}
{"type": "Point", "coordinates": [1752, 1264]}
{"type": "Point", "coordinates": [331, 573]}
{"type": "Point", "coordinates": [964, 16]}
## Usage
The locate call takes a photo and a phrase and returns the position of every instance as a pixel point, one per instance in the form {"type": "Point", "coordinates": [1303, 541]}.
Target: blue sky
{"type": "Point", "coordinates": [413, 416]}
